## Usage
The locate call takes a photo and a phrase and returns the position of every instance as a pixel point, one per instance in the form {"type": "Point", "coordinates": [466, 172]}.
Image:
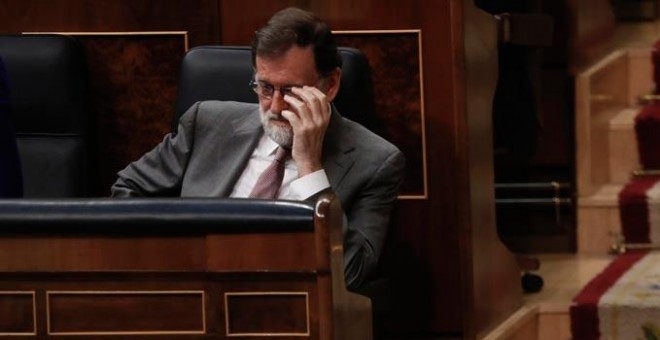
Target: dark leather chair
{"type": "Point", "coordinates": [224, 72]}
{"type": "Point", "coordinates": [11, 183]}
{"type": "Point", "coordinates": [48, 101]}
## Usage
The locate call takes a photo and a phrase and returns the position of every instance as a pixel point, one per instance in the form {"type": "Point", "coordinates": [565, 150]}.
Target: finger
{"type": "Point", "coordinates": [310, 97]}
{"type": "Point", "coordinates": [292, 117]}
{"type": "Point", "coordinates": [304, 110]}
{"type": "Point", "coordinates": [323, 99]}
{"type": "Point", "coordinates": [315, 101]}
{"type": "Point", "coordinates": [296, 104]}
{"type": "Point", "coordinates": [318, 93]}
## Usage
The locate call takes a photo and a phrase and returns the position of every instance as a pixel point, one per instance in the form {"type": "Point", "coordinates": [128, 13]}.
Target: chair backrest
{"type": "Point", "coordinates": [11, 183]}
{"type": "Point", "coordinates": [48, 79]}
{"type": "Point", "coordinates": [224, 72]}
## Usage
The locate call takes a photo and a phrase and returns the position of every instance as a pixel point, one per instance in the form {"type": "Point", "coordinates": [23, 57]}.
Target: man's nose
{"type": "Point", "coordinates": [277, 103]}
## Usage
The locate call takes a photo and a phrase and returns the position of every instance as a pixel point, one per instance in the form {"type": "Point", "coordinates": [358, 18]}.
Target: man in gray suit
{"type": "Point", "coordinates": [222, 148]}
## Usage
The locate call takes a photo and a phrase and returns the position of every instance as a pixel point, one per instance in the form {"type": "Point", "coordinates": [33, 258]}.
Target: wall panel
{"type": "Point", "coordinates": [201, 20]}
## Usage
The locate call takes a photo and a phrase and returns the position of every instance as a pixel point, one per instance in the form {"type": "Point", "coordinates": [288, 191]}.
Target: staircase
{"type": "Point", "coordinates": [607, 102]}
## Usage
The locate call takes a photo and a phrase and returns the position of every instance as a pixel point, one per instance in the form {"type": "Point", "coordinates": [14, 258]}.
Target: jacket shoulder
{"type": "Point", "coordinates": [366, 139]}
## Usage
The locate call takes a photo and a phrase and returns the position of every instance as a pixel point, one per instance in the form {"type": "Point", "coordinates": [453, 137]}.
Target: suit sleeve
{"type": "Point", "coordinates": [367, 220]}
{"type": "Point", "coordinates": [160, 171]}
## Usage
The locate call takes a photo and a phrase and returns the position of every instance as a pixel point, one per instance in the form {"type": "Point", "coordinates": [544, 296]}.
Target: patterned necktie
{"type": "Point", "coordinates": [270, 180]}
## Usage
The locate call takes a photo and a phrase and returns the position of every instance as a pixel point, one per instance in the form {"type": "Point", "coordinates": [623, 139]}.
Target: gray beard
{"type": "Point", "coordinates": [281, 135]}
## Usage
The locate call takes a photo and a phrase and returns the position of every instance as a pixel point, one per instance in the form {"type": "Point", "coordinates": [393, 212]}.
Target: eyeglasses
{"type": "Point", "coordinates": [267, 90]}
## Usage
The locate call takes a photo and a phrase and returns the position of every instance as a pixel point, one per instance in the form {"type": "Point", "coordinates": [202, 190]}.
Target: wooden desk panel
{"type": "Point", "coordinates": [277, 251]}
{"type": "Point", "coordinates": [182, 304]}
{"type": "Point", "coordinates": [111, 252]}
{"type": "Point", "coordinates": [80, 269]}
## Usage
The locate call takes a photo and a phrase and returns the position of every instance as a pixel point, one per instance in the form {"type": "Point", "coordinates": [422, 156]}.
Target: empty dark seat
{"type": "Point", "coordinates": [48, 101]}
{"type": "Point", "coordinates": [11, 183]}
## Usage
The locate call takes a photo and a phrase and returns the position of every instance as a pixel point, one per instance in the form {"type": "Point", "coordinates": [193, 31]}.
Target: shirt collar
{"type": "Point", "coordinates": [269, 145]}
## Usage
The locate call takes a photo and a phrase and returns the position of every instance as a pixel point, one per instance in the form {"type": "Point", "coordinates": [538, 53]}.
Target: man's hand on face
{"type": "Point", "coordinates": [309, 117]}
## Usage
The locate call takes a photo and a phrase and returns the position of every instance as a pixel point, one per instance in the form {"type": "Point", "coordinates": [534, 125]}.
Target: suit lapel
{"type": "Point", "coordinates": [338, 151]}
{"type": "Point", "coordinates": [243, 139]}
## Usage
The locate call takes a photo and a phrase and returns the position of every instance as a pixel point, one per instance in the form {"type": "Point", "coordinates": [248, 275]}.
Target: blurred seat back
{"type": "Point", "coordinates": [11, 183]}
{"type": "Point", "coordinates": [48, 79]}
{"type": "Point", "coordinates": [224, 72]}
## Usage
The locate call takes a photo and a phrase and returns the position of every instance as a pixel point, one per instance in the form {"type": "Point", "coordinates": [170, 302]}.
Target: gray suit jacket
{"type": "Point", "coordinates": [215, 140]}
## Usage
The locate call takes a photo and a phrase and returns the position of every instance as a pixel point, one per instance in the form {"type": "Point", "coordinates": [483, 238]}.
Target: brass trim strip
{"type": "Point", "coordinates": [386, 31]}
{"type": "Point", "coordinates": [34, 312]}
{"type": "Point", "coordinates": [620, 246]}
{"type": "Point", "coordinates": [647, 98]}
{"type": "Point", "coordinates": [226, 302]}
{"type": "Point", "coordinates": [418, 32]}
{"type": "Point", "coordinates": [126, 292]}
{"type": "Point", "coordinates": [646, 172]}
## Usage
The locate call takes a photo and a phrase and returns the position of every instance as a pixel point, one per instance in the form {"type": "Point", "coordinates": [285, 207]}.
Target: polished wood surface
{"type": "Point", "coordinates": [252, 313]}
{"type": "Point", "coordinates": [17, 313]}
{"type": "Point", "coordinates": [276, 250]}
{"type": "Point", "coordinates": [607, 99]}
{"type": "Point", "coordinates": [493, 273]}
{"type": "Point", "coordinates": [81, 253]}
{"type": "Point", "coordinates": [201, 20]}
{"type": "Point", "coordinates": [545, 315]}
{"type": "Point", "coordinates": [600, 96]}
{"type": "Point", "coordinates": [90, 312]}
{"type": "Point", "coordinates": [590, 31]}
{"type": "Point", "coordinates": [133, 82]}
{"type": "Point", "coordinates": [105, 282]}
{"type": "Point", "coordinates": [396, 65]}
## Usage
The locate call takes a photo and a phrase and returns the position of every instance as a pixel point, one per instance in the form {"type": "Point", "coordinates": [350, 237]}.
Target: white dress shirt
{"type": "Point", "coordinates": [293, 188]}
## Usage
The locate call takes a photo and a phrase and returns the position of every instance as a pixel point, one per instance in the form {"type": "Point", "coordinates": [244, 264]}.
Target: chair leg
{"type": "Point", "coordinates": [531, 283]}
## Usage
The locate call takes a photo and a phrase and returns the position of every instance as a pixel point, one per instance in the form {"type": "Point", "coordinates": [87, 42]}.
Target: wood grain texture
{"type": "Point", "coordinates": [589, 32]}
{"type": "Point", "coordinates": [277, 251]}
{"type": "Point", "coordinates": [17, 313]}
{"type": "Point", "coordinates": [600, 96]}
{"type": "Point", "coordinates": [493, 276]}
{"type": "Point", "coordinates": [133, 85]}
{"type": "Point", "coordinates": [279, 313]}
{"type": "Point", "coordinates": [38, 253]}
{"type": "Point", "coordinates": [125, 312]}
{"type": "Point", "coordinates": [395, 65]}
{"type": "Point", "coordinates": [129, 285]}
{"type": "Point", "coordinates": [201, 20]}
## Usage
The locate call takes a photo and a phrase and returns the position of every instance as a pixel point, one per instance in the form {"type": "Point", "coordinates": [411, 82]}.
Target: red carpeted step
{"type": "Point", "coordinates": [655, 60]}
{"type": "Point", "coordinates": [584, 309]}
{"type": "Point", "coordinates": [647, 129]}
{"type": "Point", "coordinates": [634, 209]}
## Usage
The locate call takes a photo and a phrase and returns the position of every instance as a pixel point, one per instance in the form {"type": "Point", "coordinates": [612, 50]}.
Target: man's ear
{"type": "Point", "coordinates": [332, 83]}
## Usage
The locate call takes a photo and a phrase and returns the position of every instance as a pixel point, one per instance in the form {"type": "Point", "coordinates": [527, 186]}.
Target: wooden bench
{"type": "Point", "coordinates": [183, 268]}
